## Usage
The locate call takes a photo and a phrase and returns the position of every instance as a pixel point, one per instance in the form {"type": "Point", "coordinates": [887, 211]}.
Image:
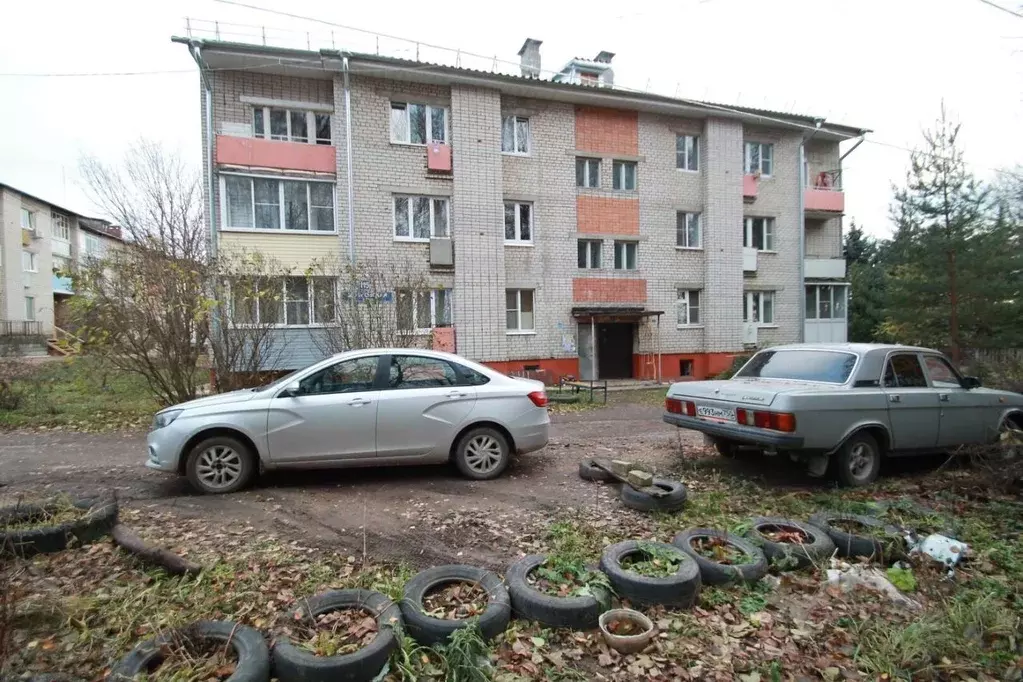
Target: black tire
{"type": "Point", "coordinates": [247, 459]}
{"type": "Point", "coordinates": [788, 556]}
{"type": "Point", "coordinates": [429, 630]}
{"type": "Point", "coordinates": [681, 589]}
{"type": "Point", "coordinates": [640, 501]}
{"type": "Point", "coordinates": [100, 518]}
{"type": "Point", "coordinates": [847, 464]}
{"type": "Point", "coordinates": [852, 545]}
{"type": "Point", "coordinates": [248, 644]}
{"type": "Point", "coordinates": [713, 573]}
{"type": "Point", "coordinates": [462, 455]}
{"type": "Point", "coordinates": [294, 664]}
{"type": "Point", "coordinates": [574, 613]}
{"type": "Point", "coordinates": [590, 472]}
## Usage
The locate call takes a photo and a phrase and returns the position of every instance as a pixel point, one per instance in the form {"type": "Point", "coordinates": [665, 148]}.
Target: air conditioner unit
{"type": "Point", "coordinates": [749, 333]}
{"type": "Point", "coordinates": [442, 252]}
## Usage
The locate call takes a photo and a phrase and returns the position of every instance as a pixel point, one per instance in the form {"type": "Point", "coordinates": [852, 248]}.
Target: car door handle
{"type": "Point", "coordinates": [895, 398]}
{"type": "Point", "coordinates": [457, 394]}
{"type": "Point", "coordinates": [943, 397]}
{"type": "Point", "coordinates": [358, 402]}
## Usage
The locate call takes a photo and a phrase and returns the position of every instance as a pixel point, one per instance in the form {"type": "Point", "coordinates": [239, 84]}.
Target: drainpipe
{"type": "Point", "coordinates": [196, 51]}
{"type": "Point", "coordinates": [348, 158]}
{"type": "Point", "coordinates": [802, 228]}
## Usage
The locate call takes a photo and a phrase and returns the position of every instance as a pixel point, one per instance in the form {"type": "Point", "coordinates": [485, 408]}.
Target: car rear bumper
{"type": "Point", "coordinates": [741, 434]}
{"type": "Point", "coordinates": [532, 431]}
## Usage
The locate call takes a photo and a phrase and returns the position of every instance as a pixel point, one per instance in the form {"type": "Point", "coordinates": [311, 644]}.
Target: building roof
{"type": "Point", "coordinates": [95, 225]}
{"type": "Point", "coordinates": [225, 55]}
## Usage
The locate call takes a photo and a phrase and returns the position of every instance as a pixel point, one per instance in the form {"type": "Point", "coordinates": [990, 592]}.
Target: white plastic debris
{"type": "Point", "coordinates": [948, 551]}
{"type": "Point", "coordinates": [849, 576]}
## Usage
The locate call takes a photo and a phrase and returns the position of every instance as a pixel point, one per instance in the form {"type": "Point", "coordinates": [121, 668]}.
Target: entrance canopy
{"type": "Point", "coordinates": [613, 313]}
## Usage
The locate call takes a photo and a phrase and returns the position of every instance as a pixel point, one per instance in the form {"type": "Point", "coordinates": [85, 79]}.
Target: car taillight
{"type": "Point", "coordinates": [776, 421]}
{"type": "Point", "coordinates": [676, 406]}
{"type": "Point", "coordinates": [539, 398]}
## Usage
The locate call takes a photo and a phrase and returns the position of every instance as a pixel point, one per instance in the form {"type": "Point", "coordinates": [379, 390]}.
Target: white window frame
{"type": "Point", "coordinates": [92, 245]}
{"type": "Point", "coordinates": [517, 240]}
{"type": "Point", "coordinates": [310, 125]}
{"type": "Point", "coordinates": [838, 292]}
{"type": "Point", "coordinates": [624, 247]}
{"type": "Point", "coordinates": [754, 300]}
{"type": "Point", "coordinates": [61, 225]}
{"type": "Point", "coordinates": [687, 158]}
{"type": "Point", "coordinates": [767, 237]}
{"type": "Point", "coordinates": [528, 142]}
{"type": "Point", "coordinates": [684, 301]}
{"type": "Point", "coordinates": [410, 216]}
{"type": "Point", "coordinates": [30, 308]}
{"type": "Point", "coordinates": [29, 261]}
{"type": "Point", "coordinates": [280, 282]}
{"type": "Point", "coordinates": [747, 158]}
{"type": "Point", "coordinates": [518, 328]}
{"type": "Point", "coordinates": [281, 205]}
{"type": "Point", "coordinates": [592, 249]}
{"type": "Point", "coordinates": [392, 106]}
{"type": "Point", "coordinates": [682, 231]}
{"type": "Point", "coordinates": [591, 178]}
{"type": "Point", "coordinates": [28, 220]}
{"type": "Point", "coordinates": [618, 175]}
{"type": "Point", "coordinates": [436, 304]}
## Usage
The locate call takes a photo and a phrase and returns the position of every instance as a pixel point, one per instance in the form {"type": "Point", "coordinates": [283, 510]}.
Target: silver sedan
{"type": "Point", "coordinates": [361, 408]}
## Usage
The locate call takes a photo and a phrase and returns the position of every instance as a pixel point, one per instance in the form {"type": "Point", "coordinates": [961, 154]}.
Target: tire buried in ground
{"type": "Point", "coordinates": [791, 555]}
{"type": "Point", "coordinates": [714, 573]}
{"type": "Point", "coordinates": [99, 519]}
{"type": "Point", "coordinates": [294, 664]}
{"type": "Point", "coordinates": [640, 501]}
{"type": "Point", "coordinates": [429, 630]}
{"type": "Point", "coordinates": [681, 589]}
{"type": "Point", "coordinates": [528, 603]}
{"type": "Point", "coordinates": [851, 545]}
{"type": "Point", "coordinates": [588, 471]}
{"type": "Point", "coordinates": [248, 644]}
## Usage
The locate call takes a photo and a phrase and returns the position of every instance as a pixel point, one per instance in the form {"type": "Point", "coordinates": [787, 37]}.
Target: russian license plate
{"type": "Point", "coordinates": [721, 414]}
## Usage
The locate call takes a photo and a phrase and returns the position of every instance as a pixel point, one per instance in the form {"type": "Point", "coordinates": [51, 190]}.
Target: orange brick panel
{"type": "Point", "coordinates": [608, 131]}
{"type": "Point", "coordinates": [607, 215]}
{"type": "Point", "coordinates": [597, 290]}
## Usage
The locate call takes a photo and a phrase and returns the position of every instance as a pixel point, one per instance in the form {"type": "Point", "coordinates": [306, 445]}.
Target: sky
{"type": "Point", "coordinates": [886, 65]}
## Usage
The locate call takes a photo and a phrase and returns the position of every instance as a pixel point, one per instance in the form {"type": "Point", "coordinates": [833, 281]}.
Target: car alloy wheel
{"type": "Point", "coordinates": [1010, 439]}
{"type": "Point", "coordinates": [218, 466]}
{"type": "Point", "coordinates": [861, 461]}
{"type": "Point", "coordinates": [483, 454]}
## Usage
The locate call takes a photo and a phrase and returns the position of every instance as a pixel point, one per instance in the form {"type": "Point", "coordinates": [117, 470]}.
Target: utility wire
{"type": "Point", "coordinates": [1004, 9]}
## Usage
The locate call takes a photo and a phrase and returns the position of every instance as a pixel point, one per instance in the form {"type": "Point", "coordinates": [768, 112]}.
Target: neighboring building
{"type": "Point", "coordinates": [564, 225]}
{"type": "Point", "coordinates": [39, 240]}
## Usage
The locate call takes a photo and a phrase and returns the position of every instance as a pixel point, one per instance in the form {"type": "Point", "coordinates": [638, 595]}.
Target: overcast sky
{"type": "Point", "coordinates": [879, 64]}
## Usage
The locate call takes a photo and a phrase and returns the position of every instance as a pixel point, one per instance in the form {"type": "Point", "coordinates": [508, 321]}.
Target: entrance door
{"type": "Point", "coordinates": [614, 350]}
{"type": "Point", "coordinates": [586, 351]}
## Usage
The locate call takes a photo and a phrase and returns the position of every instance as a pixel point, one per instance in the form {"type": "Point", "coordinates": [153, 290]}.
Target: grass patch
{"type": "Point", "coordinates": [580, 402]}
{"type": "Point", "coordinates": [653, 561]}
{"type": "Point", "coordinates": [52, 512]}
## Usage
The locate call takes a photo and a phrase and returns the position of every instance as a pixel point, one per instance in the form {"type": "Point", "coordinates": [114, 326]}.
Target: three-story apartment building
{"type": "Point", "coordinates": [564, 225]}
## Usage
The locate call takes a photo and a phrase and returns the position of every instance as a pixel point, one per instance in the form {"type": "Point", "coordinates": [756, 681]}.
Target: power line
{"type": "Point", "coordinates": [1004, 9]}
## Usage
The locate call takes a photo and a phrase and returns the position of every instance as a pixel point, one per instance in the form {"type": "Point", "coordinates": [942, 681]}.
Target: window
{"type": "Point", "coordinates": [29, 261]}
{"type": "Point", "coordinates": [421, 311]}
{"type": "Point", "coordinates": [587, 172]}
{"type": "Point", "coordinates": [270, 204]}
{"type": "Point", "coordinates": [941, 373]}
{"type": "Point", "coordinates": [518, 223]}
{"type": "Point", "coordinates": [688, 305]}
{"type": "Point", "coordinates": [687, 230]}
{"type": "Point", "coordinates": [759, 158]}
{"type": "Point", "coordinates": [624, 175]}
{"type": "Point", "coordinates": [284, 301]}
{"type": "Point", "coordinates": [589, 78]}
{"type": "Point", "coordinates": [825, 302]}
{"type": "Point", "coordinates": [515, 135]}
{"type": "Point", "coordinates": [416, 371]}
{"type": "Point", "coordinates": [519, 310]}
{"type": "Point", "coordinates": [92, 245]}
{"type": "Point", "coordinates": [61, 227]}
{"type": "Point", "coordinates": [418, 123]}
{"type": "Point", "coordinates": [759, 234]}
{"type": "Point", "coordinates": [625, 255]}
{"type": "Point", "coordinates": [30, 308]}
{"type": "Point", "coordinates": [687, 152]}
{"type": "Point", "coordinates": [904, 371]}
{"type": "Point", "coordinates": [349, 376]}
{"type": "Point", "coordinates": [759, 307]}
{"type": "Point", "coordinates": [61, 264]}
{"type": "Point", "coordinates": [800, 365]}
{"type": "Point", "coordinates": [28, 219]}
{"type": "Point", "coordinates": [589, 254]}
{"type": "Point", "coordinates": [419, 218]}
{"type": "Point", "coordinates": [291, 125]}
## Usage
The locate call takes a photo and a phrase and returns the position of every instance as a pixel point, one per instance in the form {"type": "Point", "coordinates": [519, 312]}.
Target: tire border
{"type": "Point", "coordinates": [851, 545]}
{"type": "Point", "coordinates": [714, 573]}
{"type": "Point", "coordinates": [640, 501]}
{"type": "Point", "coordinates": [429, 630]}
{"type": "Point", "coordinates": [100, 518]}
{"type": "Point", "coordinates": [681, 589]}
{"type": "Point", "coordinates": [819, 549]}
{"type": "Point", "coordinates": [528, 603]}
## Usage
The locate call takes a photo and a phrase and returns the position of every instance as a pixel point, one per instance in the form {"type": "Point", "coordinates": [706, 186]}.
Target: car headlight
{"type": "Point", "coordinates": [164, 418]}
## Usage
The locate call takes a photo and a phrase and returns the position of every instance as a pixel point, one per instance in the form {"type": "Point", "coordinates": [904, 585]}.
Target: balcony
{"type": "Point", "coordinates": [824, 268]}
{"type": "Point", "coordinates": [749, 259]}
{"type": "Point", "coordinates": [62, 285]}
{"type": "Point", "coordinates": [823, 196]}
{"type": "Point", "coordinates": [259, 153]}
{"type": "Point", "coordinates": [749, 187]}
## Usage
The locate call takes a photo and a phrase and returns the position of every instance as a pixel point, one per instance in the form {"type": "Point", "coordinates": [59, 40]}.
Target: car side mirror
{"type": "Point", "coordinates": [971, 382]}
{"type": "Point", "coordinates": [292, 390]}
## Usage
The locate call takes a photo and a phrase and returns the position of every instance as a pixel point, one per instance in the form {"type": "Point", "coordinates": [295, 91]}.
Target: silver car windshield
{"type": "Point", "coordinates": [800, 365]}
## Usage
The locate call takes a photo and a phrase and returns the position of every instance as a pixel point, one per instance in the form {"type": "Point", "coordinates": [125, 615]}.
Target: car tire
{"type": "Point", "coordinates": [588, 471]}
{"type": "Point", "coordinates": [294, 664]}
{"type": "Point", "coordinates": [482, 453]}
{"type": "Point", "coordinates": [789, 556]}
{"type": "Point", "coordinates": [99, 519]}
{"type": "Point", "coordinates": [858, 461]}
{"type": "Point", "coordinates": [852, 545]}
{"type": "Point", "coordinates": [714, 573]}
{"type": "Point", "coordinates": [574, 613]}
{"type": "Point", "coordinates": [641, 501]}
{"type": "Point", "coordinates": [248, 644]}
{"type": "Point", "coordinates": [429, 630]}
{"type": "Point", "coordinates": [223, 459]}
{"type": "Point", "coordinates": [679, 590]}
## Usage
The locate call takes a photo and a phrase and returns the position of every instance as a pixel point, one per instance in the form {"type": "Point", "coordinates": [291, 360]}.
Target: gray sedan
{"type": "Point", "coordinates": [844, 405]}
{"type": "Point", "coordinates": [361, 408]}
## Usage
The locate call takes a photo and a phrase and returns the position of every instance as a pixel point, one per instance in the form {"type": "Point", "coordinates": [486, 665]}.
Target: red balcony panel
{"type": "Point", "coordinates": [257, 152]}
{"type": "Point", "coordinates": [749, 187]}
{"type": "Point", "coordinates": [438, 157]}
{"type": "Point", "coordinates": [824, 200]}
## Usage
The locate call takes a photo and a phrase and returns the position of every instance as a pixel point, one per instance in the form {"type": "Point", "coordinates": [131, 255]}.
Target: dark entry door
{"type": "Point", "coordinates": [614, 350]}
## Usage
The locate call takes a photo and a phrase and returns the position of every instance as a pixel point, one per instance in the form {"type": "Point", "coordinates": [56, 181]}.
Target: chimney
{"type": "Point", "coordinates": [607, 77]}
{"type": "Point", "coordinates": [529, 55]}
{"type": "Point", "coordinates": [604, 57]}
